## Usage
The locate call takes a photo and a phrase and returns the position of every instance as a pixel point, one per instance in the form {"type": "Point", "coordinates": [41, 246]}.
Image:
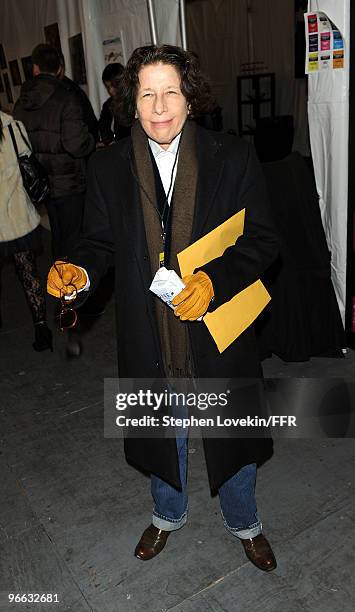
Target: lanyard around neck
{"type": "Point", "coordinates": [165, 215]}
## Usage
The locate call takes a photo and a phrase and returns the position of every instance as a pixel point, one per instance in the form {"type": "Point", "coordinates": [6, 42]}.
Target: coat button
{"type": "Point", "coordinates": [157, 364]}
{"type": "Point", "coordinates": [145, 257]}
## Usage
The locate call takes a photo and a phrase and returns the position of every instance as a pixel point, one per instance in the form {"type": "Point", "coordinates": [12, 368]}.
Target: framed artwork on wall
{"type": "Point", "coordinates": [8, 88]}
{"type": "Point", "coordinates": [15, 73]}
{"type": "Point", "coordinates": [3, 63]}
{"type": "Point", "coordinates": [77, 58]}
{"type": "Point", "coordinates": [27, 67]}
{"type": "Point", "coordinates": [52, 37]}
{"type": "Point", "coordinates": [113, 50]}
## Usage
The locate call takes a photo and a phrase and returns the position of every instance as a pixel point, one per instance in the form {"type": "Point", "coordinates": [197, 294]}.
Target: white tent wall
{"type": "Point", "coordinates": [328, 111]}
{"type": "Point", "coordinates": [218, 32]}
{"type": "Point", "coordinates": [22, 23]}
{"type": "Point", "coordinates": [168, 22]}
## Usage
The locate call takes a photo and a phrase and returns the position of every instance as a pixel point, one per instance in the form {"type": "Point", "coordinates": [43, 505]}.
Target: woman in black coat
{"type": "Point", "coordinates": [211, 176]}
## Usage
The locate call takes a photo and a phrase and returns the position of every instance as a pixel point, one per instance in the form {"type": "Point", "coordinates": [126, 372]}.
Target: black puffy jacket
{"type": "Point", "coordinates": [59, 137]}
{"type": "Point", "coordinates": [89, 116]}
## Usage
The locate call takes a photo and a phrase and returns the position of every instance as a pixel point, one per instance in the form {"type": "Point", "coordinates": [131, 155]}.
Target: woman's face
{"type": "Point", "coordinates": [161, 106]}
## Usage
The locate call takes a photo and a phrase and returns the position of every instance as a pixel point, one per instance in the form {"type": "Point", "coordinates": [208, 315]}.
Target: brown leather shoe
{"type": "Point", "coordinates": [151, 543]}
{"type": "Point", "coordinates": [259, 552]}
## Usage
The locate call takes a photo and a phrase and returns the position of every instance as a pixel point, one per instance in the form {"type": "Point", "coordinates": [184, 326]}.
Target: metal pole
{"type": "Point", "coordinates": [152, 22]}
{"type": "Point", "coordinates": [250, 32]}
{"type": "Point", "coordinates": [183, 24]}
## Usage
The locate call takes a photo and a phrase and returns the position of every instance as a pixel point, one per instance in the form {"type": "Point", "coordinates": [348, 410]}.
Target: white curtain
{"type": "Point", "coordinates": [328, 110]}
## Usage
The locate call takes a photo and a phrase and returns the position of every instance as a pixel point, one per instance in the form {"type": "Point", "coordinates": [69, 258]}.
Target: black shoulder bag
{"type": "Point", "coordinates": [34, 176]}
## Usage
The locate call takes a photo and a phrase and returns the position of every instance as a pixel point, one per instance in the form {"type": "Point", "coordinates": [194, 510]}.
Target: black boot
{"type": "Point", "coordinates": [43, 337]}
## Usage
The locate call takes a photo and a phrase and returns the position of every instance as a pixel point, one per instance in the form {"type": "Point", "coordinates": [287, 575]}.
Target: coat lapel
{"type": "Point", "coordinates": [210, 165]}
{"type": "Point", "coordinates": [210, 169]}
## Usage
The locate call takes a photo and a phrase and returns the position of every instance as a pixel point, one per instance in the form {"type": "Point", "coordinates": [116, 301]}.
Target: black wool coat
{"type": "Point", "coordinates": [229, 179]}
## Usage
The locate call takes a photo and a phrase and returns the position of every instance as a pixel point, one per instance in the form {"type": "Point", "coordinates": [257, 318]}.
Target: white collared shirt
{"type": "Point", "coordinates": [165, 159]}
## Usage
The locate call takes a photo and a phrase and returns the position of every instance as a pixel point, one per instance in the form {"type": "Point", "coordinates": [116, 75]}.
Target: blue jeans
{"type": "Point", "coordinates": [236, 496]}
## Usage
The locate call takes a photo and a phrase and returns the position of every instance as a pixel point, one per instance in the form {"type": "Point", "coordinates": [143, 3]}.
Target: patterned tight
{"type": "Point", "coordinates": [27, 273]}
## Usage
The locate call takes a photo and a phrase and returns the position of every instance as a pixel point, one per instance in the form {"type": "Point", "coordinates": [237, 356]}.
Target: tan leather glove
{"type": "Point", "coordinates": [63, 276]}
{"type": "Point", "coordinates": [193, 301]}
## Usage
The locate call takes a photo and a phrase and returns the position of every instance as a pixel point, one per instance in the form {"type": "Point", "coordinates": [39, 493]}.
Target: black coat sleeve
{"type": "Point", "coordinates": [75, 136]}
{"type": "Point", "coordinates": [95, 249]}
{"type": "Point", "coordinates": [89, 115]}
{"type": "Point", "coordinates": [105, 123]}
{"type": "Point", "coordinates": [243, 263]}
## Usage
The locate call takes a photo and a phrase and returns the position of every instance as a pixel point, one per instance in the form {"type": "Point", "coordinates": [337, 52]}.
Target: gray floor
{"type": "Point", "coordinates": [72, 510]}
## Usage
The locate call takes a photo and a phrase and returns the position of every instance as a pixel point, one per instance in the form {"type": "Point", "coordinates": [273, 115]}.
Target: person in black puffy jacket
{"type": "Point", "coordinates": [61, 141]}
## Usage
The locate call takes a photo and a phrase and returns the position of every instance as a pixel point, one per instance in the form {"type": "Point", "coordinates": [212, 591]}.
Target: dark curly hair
{"type": "Point", "coordinates": [194, 85]}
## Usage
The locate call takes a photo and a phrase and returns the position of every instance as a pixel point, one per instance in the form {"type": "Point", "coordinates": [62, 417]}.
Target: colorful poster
{"type": "Point", "coordinates": [338, 42]}
{"type": "Point", "coordinates": [323, 23]}
{"type": "Point", "coordinates": [324, 43]}
{"type": "Point", "coordinates": [325, 61]}
{"type": "Point", "coordinates": [338, 59]}
{"type": "Point", "coordinates": [313, 42]}
{"type": "Point", "coordinates": [312, 21]}
{"type": "Point", "coordinates": [313, 62]}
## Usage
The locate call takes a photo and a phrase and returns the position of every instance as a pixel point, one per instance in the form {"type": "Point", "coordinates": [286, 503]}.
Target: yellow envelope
{"type": "Point", "coordinates": [228, 321]}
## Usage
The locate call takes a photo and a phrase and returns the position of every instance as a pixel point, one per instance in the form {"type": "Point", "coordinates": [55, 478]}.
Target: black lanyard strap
{"type": "Point", "coordinates": [161, 205]}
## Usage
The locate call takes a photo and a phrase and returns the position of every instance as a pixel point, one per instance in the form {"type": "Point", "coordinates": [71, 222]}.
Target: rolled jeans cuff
{"type": "Point", "coordinates": [162, 522]}
{"type": "Point", "coordinates": [245, 534]}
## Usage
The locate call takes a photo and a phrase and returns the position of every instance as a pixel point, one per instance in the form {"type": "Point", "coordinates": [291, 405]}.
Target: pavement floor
{"type": "Point", "coordinates": [72, 510]}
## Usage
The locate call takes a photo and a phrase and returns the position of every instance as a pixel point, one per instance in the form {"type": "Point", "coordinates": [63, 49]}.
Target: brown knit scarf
{"type": "Point", "coordinates": [173, 333]}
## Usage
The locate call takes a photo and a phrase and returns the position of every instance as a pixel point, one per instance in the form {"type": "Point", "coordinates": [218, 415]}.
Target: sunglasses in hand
{"type": "Point", "coordinates": [67, 316]}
